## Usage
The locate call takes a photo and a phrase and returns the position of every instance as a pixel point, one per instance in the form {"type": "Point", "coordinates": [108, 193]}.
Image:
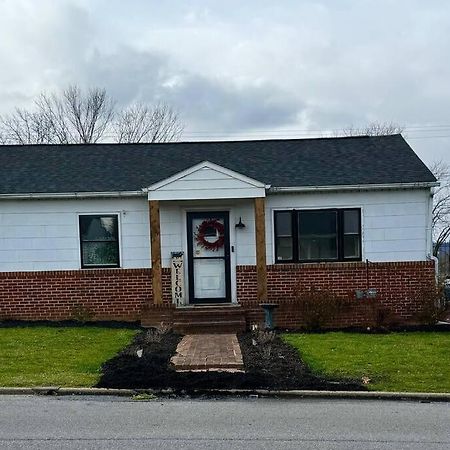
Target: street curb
{"type": "Point", "coordinates": [293, 394]}
{"type": "Point", "coordinates": [57, 390]}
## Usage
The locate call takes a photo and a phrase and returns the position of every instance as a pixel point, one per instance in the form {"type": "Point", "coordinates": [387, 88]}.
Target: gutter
{"type": "Point", "coordinates": [271, 189]}
{"type": "Point", "coordinates": [56, 195]}
{"type": "Point", "coordinates": [354, 187]}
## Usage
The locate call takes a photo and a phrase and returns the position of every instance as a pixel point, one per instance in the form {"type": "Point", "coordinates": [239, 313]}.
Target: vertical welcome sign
{"type": "Point", "coordinates": [177, 274]}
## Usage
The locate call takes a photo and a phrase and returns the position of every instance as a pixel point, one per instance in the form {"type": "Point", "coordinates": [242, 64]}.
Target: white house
{"type": "Point", "coordinates": [156, 232]}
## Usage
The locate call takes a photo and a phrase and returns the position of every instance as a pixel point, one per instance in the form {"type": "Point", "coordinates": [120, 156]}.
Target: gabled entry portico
{"type": "Point", "coordinates": [203, 196]}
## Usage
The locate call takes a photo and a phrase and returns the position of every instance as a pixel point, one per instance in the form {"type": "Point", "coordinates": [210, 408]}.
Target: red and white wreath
{"type": "Point", "coordinates": [204, 231]}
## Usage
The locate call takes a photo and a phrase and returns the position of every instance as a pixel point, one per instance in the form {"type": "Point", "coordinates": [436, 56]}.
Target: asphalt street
{"type": "Point", "coordinates": [36, 422]}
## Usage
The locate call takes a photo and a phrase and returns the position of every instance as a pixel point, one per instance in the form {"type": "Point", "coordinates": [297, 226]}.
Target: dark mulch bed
{"type": "Point", "coordinates": [281, 369]}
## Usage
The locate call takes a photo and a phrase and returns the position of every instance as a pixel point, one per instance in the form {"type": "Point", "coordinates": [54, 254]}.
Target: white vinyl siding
{"type": "Point", "coordinates": [395, 224]}
{"type": "Point", "coordinates": [206, 181]}
{"type": "Point", "coordinates": [44, 234]}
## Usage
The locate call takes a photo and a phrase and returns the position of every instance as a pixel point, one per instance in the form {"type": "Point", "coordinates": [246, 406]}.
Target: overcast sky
{"type": "Point", "coordinates": [241, 69]}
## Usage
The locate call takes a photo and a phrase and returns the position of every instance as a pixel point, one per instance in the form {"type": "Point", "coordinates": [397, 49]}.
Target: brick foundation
{"type": "Point", "coordinates": [126, 294]}
{"type": "Point", "coordinates": [396, 283]}
{"type": "Point", "coordinates": [106, 294]}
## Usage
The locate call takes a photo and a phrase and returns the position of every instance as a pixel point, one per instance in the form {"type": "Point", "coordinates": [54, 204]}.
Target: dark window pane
{"type": "Point", "coordinates": [318, 248]}
{"type": "Point", "coordinates": [100, 254]}
{"type": "Point", "coordinates": [95, 228]}
{"type": "Point", "coordinates": [352, 246]}
{"type": "Point", "coordinates": [284, 240]}
{"type": "Point", "coordinates": [284, 223]}
{"type": "Point", "coordinates": [351, 222]}
{"type": "Point", "coordinates": [99, 241]}
{"type": "Point", "coordinates": [317, 235]}
{"type": "Point", "coordinates": [210, 232]}
{"type": "Point", "coordinates": [317, 222]}
{"type": "Point", "coordinates": [284, 249]}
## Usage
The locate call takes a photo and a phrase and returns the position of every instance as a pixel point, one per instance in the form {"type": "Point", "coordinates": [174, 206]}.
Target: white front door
{"type": "Point", "coordinates": [209, 257]}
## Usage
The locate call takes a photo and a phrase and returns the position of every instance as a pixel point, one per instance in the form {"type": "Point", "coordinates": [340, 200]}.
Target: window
{"type": "Point", "coordinates": [318, 235]}
{"type": "Point", "coordinates": [284, 238]}
{"type": "Point", "coordinates": [99, 239]}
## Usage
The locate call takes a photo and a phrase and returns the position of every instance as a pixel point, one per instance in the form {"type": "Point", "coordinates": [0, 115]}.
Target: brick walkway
{"type": "Point", "coordinates": [202, 352]}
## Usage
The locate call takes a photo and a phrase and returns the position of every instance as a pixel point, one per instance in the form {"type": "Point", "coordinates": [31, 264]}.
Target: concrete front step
{"type": "Point", "coordinates": [200, 327]}
{"type": "Point", "coordinates": [221, 308]}
{"type": "Point", "coordinates": [209, 319]}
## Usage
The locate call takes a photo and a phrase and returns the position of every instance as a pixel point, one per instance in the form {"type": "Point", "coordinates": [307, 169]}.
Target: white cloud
{"type": "Point", "coordinates": [236, 66]}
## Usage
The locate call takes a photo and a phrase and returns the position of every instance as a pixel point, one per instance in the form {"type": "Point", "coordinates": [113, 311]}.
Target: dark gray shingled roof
{"type": "Point", "coordinates": [280, 163]}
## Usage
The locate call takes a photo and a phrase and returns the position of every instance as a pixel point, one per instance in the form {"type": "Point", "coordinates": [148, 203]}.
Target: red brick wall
{"type": "Point", "coordinates": [397, 284]}
{"type": "Point", "coordinates": [109, 294]}
{"type": "Point", "coordinates": [124, 294]}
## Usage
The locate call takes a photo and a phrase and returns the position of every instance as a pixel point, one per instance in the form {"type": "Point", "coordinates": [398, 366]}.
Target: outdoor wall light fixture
{"type": "Point", "coordinates": [240, 225]}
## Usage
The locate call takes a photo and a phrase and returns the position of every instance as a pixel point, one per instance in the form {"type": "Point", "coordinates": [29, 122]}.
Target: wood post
{"type": "Point", "coordinates": [155, 238]}
{"type": "Point", "coordinates": [260, 231]}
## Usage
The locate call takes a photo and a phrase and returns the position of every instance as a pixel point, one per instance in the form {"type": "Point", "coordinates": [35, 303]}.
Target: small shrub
{"type": "Point", "coordinates": [381, 317]}
{"type": "Point", "coordinates": [266, 351]}
{"type": "Point", "coordinates": [156, 334]}
{"type": "Point", "coordinates": [263, 340]}
{"type": "Point", "coordinates": [263, 337]}
{"type": "Point", "coordinates": [386, 318]}
{"type": "Point", "coordinates": [430, 301]}
{"type": "Point", "coordinates": [82, 313]}
{"type": "Point", "coordinates": [317, 307]}
{"type": "Point", "coordinates": [6, 318]}
{"type": "Point", "coordinates": [164, 328]}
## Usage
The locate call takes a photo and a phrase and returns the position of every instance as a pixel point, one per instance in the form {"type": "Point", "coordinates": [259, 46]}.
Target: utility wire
{"type": "Point", "coordinates": [424, 131]}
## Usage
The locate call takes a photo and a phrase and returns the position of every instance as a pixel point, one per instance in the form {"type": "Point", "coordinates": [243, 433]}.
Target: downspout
{"type": "Point", "coordinates": [429, 232]}
{"type": "Point", "coordinates": [436, 267]}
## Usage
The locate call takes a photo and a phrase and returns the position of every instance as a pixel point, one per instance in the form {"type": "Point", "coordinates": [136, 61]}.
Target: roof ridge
{"type": "Point", "coordinates": [234, 141]}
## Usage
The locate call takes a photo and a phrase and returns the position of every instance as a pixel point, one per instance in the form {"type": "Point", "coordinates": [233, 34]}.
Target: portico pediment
{"type": "Point", "coordinates": [206, 181]}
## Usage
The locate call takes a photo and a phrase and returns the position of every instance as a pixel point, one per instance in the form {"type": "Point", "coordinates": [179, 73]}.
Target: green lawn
{"type": "Point", "coordinates": [63, 356]}
{"type": "Point", "coordinates": [393, 362]}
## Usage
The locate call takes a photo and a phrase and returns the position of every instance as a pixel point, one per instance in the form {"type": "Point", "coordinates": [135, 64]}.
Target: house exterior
{"type": "Point", "coordinates": [180, 232]}
{"type": "Point", "coordinates": [444, 259]}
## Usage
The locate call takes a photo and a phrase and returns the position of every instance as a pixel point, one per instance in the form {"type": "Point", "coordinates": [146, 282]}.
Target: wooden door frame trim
{"type": "Point", "coordinates": [260, 241]}
{"type": "Point", "coordinates": [155, 239]}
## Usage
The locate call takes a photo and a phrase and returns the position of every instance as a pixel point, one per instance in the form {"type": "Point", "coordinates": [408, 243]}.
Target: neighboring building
{"type": "Point", "coordinates": [96, 228]}
{"type": "Point", "coordinates": [444, 259]}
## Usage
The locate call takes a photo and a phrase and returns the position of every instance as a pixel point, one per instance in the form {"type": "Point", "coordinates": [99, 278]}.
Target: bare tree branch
{"type": "Point", "coordinates": [25, 127]}
{"type": "Point", "coordinates": [372, 129]}
{"type": "Point", "coordinates": [89, 116]}
{"type": "Point", "coordinates": [441, 205]}
{"type": "Point", "coordinates": [77, 117]}
{"type": "Point", "coordinates": [73, 117]}
{"type": "Point", "coordinates": [54, 113]}
{"type": "Point", "coordinates": [141, 123]}
{"type": "Point", "coordinates": [83, 118]}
